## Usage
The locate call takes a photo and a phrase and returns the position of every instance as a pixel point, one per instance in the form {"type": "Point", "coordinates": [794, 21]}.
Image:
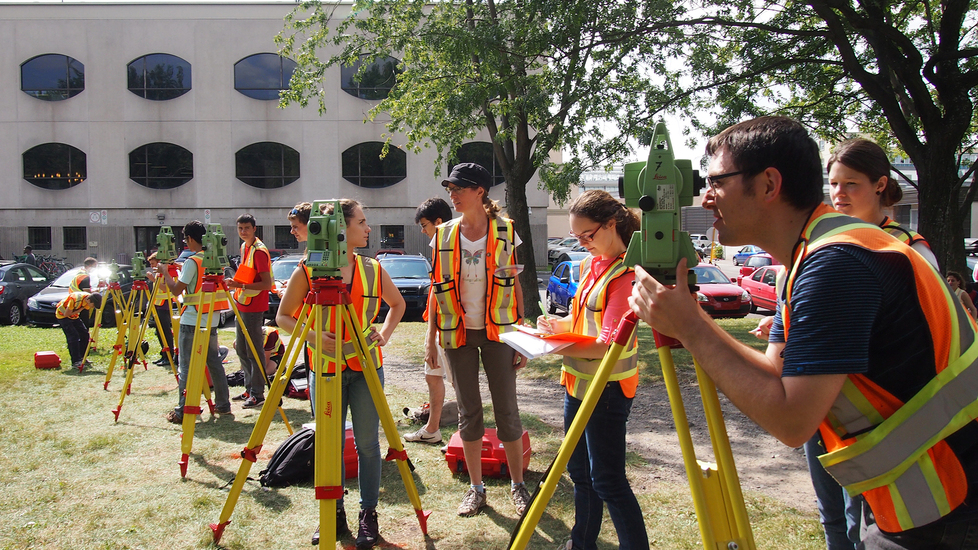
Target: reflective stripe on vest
{"type": "Point", "coordinates": [588, 309]}
{"type": "Point", "coordinates": [908, 237]}
{"type": "Point", "coordinates": [891, 452]}
{"type": "Point", "coordinates": [366, 294]}
{"type": "Point", "coordinates": [196, 297]}
{"type": "Point", "coordinates": [75, 284]}
{"type": "Point", "coordinates": [501, 308]}
{"type": "Point", "coordinates": [242, 296]}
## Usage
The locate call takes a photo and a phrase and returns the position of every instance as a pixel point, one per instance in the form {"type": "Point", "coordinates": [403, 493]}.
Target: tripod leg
{"type": "Point", "coordinates": [396, 450]}
{"type": "Point", "coordinates": [120, 340]}
{"type": "Point", "coordinates": [93, 339]}
{"type": "Point", "coordinates": [329, 432]}
{"type": "Point", "coordinates": [258, 433]}
{"type": "Point", "coordinates": [195, 380]}
{"type": "Point", "coordinates": [528, 523]}
{"type": "Point", "coordinates": [131, 358]}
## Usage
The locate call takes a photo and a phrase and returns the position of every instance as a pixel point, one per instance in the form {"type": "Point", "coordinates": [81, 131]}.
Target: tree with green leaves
{"type": "Point", "coordinates": [902, 72]}
{"type": "Point", "coordinates": [537, 75]}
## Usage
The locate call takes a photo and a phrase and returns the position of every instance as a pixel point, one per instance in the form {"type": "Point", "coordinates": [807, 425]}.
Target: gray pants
{"type": "Point", "coordinates": [220, 380]}
{"type": "Point", "coordinates": [253, 367]}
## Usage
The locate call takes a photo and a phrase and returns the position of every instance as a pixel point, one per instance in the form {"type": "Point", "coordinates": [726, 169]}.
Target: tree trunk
{"type": "Point", "coordinates": [941, 219]}
{"type": "Point", "coordinates": [518, 210]}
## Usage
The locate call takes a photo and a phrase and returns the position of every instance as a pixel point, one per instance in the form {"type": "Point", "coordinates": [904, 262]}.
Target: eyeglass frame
{"type": "Point", "coordinates": [711, 180]}
{"type": "Point", "coordinates": [584, 239]}
{"type": "Point", "coordinates": [456, 190]}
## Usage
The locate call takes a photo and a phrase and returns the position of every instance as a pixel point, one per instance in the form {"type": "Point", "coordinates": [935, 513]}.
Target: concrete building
{"type": "Point", "coordinates": [119, 118]}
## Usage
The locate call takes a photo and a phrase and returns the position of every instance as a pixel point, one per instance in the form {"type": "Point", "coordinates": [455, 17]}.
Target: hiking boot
{"type": "Point", "coordinates": [472, 502]}
{"type": "Point", "coordinates": [241, 397]}
{"type": "Point", "coordinates": [253, 402]}
{"type": "Point", "coordinates": [369, 530]}
{"type": "Point", "coordinates": [423, 436]}
{"type": "Point", "coordinates": [341, 527]}
{"type": "Point", "coordinates": [174, 417]}
{"type": "Point", "coordinates": [521, 498]}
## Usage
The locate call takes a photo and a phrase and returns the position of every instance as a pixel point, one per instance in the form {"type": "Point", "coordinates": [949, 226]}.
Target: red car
{"type": "Point", "coordinates": [756, 261]}
{"type": "Point", "coordinates": [761, 286]}
{"type": "Point", "coordinates": [718, 295]}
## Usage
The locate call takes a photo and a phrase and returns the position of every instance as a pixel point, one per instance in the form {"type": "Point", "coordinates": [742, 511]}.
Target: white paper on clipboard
{"type": "Point", "coordinates": [531, 346]}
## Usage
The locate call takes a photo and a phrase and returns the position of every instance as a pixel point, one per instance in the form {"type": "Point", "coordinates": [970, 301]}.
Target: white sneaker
{"type": "Point", "coordinates": [422, 436]}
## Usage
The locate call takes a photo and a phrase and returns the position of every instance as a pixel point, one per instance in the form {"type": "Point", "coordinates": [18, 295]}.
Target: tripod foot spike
{"type": "Point", "coordinates": [210, 405]}
{"type": "Point", "coordinates": [106, 386]}
{"type": "Point", "coordinates": [116, 412]}
{"type": "Point", "coordinates": [129, 390]}
{"type": "Point", "coordinates": [423, 520]}
{"type": "Point", "coordinates": [184, 460]}
{"type": "Point", "coordinates": [81, 366]}
{"type": "Point", "coordinates": [218, 530]}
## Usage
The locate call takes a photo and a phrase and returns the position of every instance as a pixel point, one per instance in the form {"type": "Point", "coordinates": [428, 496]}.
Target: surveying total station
{"type": "Point", "coordinates": [327, 299]}
{"type": "Point", "coordinates": [660, 187]}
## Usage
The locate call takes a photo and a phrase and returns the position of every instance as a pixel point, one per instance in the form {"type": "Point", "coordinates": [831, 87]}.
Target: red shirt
{"type": "Point", "coordinates": [617, 296]}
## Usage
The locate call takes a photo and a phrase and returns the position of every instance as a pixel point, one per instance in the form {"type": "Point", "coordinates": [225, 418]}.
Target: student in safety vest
{"type": "Point", "coordinates": [604, 226]}
{"type": "Point", "coordinates": [82, 281]}
{"type": "Point", "coordinates": [869, 345]}
{"type": "Point", "coordinates": [250, 285]}
{"type": "Point", "coordinates": [368, 284]}
{"type": "Point", "coordinates": [164, 330]}
{"type": "Point", "coordinates": [432, 213]}
{"type": "Point", "coordinates": [189, 284]}
{"type": "Point", "coordinates": [475, 296]}
{"type": "Point", "coordinates": [76, 331]}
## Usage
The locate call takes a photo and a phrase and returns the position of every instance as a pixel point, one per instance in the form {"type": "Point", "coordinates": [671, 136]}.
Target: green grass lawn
{"type": "Point", "coordinates": [72, 477]}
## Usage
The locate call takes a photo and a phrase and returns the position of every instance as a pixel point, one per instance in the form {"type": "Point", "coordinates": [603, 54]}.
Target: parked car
{"type": "Point", "coordinates": [700, 242]}
{"type": "Point", "coordinates": [746, 252]}
{"type": "Point", "coordinates": [572, 256]}
{"type": "Point", "coordinates": [18, 282]}
{"type": "Point", "coordinates": [282, 268]}
{"type": "Point", "coordinates": [41, 306]}
{"type": "Point", "coordinates": [388, 252]}
{"type": "Point", "coordinates": [756, 261]}
{"type": "Point", "coordinates": [555, 249]}
{"type": "Point", "coordinates": [563, 285]}
{"type": "Point", "coordinates": [412, 276]}
{"type": "Point", "coordinates": [718, 295]}
{"type": "Point", "coordinates": [761, 287]}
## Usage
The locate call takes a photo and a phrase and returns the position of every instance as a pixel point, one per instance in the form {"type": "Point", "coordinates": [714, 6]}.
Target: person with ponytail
{"type": "Point", "coordinates": [475, 297]}
{"type": "Point", "coordinates": [603, 226]}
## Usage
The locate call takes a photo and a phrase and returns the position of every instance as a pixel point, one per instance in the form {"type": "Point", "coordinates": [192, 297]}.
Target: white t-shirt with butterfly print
{"type": "Point", "coordinates": [473, 287]}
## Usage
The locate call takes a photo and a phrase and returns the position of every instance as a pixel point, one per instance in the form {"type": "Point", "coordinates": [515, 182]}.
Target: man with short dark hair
{"type": "Point", "coordinates": [190, 280]}
{"type": "Point", "coordinates": [879, 356]}
{"type": "Point", "coordinates": [251, 284]}
{"type": "Point", "coordinates": [82, 281]}
{"type": "Point", "coordinates": [29, 257]}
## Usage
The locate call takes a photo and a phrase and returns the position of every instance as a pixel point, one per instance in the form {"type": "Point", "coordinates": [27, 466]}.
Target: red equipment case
{"type": "Point", "coordinates": [350, 461]}
{"type": "Point", "coordinates": [493, 454]}
{"type": "Point", "coordinates": [46, 360]}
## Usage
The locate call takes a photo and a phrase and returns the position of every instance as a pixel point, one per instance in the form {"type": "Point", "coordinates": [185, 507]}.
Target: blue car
{"type": "Point", "coordinates": [746, 252]}
{"type": "Point", "coordinates": [563, 286]}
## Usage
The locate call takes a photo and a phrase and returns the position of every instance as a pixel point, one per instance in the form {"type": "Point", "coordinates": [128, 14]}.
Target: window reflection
{"type": "Point", "coordinates": [481, 153]}
{"type": "Point", "coordinates": [161, 165]}
{"type": "Point", "coordinates": [159, 76]}
{"type": "Point", "coordinates": [267, 165]}
{"type": "Point", "coordinates": [363, 166]}
{"type": "Point", "coordinates": [375, 82]}
{"type": "Point", "coordinates": [263, 75]}
{"type": "Point", "coordinates": [55, 166]}
{"type": "Point", "coordinates": [52, 77]}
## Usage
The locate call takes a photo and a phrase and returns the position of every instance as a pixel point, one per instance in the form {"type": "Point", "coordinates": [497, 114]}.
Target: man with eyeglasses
{"type": "Point", "coordinates": [871, 326]}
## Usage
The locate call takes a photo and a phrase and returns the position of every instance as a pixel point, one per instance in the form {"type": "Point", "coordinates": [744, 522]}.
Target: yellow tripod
{"type": "Point", "coordinates": [128, 324]}
{"type": "Point", "coordinates": [212, 289]}
{"type": "Point", "coordinates": [102, 289]}
{"type": "Point", "coordinates": [332, 293]}
{"type": "Point", "coordinates": [717, 497]}
{"type": "Point", "coordinates": [113, 290]}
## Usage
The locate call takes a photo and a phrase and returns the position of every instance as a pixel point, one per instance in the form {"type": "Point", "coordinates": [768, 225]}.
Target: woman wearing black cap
{"type": "Point", "coordinates": [475, 297]}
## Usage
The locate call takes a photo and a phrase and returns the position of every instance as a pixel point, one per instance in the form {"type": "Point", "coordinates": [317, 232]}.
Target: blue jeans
{"type": "Point", "coordinates": [222, 402]}
{"type": "Point", "coordinates": [839, 513]}
{"type": "Point", "coordinates": [597, 468]}
{"type": "Point", "coordinates": [366, 425]}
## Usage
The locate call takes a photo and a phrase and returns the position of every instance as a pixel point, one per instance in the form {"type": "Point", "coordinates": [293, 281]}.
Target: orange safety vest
{"type": "Point", "coordinates": [907, 236]}
{"type": "Point", "coordinates": [246, 272]}
{"type": "Point", "coordinates": [70, 302]}
{"type": "Point", "coordinates": [75, 284]}
{"type": "Point", "coordinates": [894, 453]}
{"type": "Point", "coordinates": [195, 297]}
{"type": "Point", "coordinates": [501, 309]}
{"type": "Point", "coordinates": [366, 294]}
{"type": "Point", "coordinates": [587, 308]}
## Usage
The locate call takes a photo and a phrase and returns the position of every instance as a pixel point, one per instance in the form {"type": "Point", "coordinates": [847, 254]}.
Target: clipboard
{"type": "Point", "coordinates": [562, 336]}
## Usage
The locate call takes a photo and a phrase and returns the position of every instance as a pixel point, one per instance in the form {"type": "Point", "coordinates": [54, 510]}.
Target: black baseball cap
{"type": "Point", "coordinates": [469, 174]}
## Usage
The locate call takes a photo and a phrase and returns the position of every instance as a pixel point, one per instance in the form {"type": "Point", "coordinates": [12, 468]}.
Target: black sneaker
{"type": "Point", "coordinates": [241, 397]}
{"type": "Point", "coordinates": [253, 403]}
{"type": "Point", "coordinates": [341, 527]}
{"type": "Point", "coordinates": [369, 530]}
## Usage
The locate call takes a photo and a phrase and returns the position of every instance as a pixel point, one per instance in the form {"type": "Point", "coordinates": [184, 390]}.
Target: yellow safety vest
{"type": "Point", "coordinates": [501, 309]}
{"type": "Point", "coordinates": [247, 273]}
{"type": "Point", "coordinates": [75, 284]}
{"type": "Point", "coordinates": [70, 302]}
{"type": "Point", "coordinates": [587, 308]}
{"type": "Point", "coordinates": [195, 298]}
{"type": "Point", "coordinates": [366, 294]}
{"type": "Point", "coordinates": [908, 237]}
{"type": "Point", "coordinates": [894, 453]}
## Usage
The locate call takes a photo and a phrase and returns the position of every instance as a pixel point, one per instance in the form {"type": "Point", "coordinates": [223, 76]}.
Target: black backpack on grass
{"type": "Point", "coordinates": [292, 462]}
